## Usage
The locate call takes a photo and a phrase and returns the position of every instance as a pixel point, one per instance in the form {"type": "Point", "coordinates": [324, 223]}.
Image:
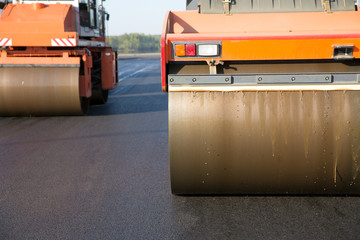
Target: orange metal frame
{"type": "Point", "coordinates": [37, 24]}
{"type": "Point", "coordinates": [109, 75]}
{"type": "Point", "coordinates": [262, 36]}
{"type": "Point", "coordinates": [165, 51]}
{"type": "Point", "coordinates": [273, 49]}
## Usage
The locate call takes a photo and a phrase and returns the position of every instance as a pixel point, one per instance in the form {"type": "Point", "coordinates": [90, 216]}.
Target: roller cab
{"type": "Point", "coordinates": [54, 59]}
{"type": "Point", "coordinates": [263, 97]}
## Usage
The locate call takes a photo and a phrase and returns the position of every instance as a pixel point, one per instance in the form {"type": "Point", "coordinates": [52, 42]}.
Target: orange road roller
{"type": "Point", "coordinates": [53, 57]}
{"type": "Point", "coordinates": [264, 97]}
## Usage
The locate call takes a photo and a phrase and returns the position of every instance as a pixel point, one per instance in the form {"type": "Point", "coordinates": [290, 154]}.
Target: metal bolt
{"type": "Point", "coordinates": [327, 78]}
{"type": "Point", "coordinates": [260, 79]}
{"type": "Point", "coordinates": [171, 80]}
{"type": "Point", "coordinates": [227, 79]}
{"type": "Point", "coordinates": [194, 79]}
{"type": "Point", "coordinates": [293, 79]}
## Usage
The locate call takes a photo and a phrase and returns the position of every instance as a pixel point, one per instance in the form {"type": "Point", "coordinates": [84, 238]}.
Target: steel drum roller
{"type": "Point", "coordinates": [264, 142]}
{"type": "Point", "coordinates": [39, 91]}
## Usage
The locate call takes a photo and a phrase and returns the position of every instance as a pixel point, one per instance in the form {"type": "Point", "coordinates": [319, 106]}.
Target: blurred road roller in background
{"type": "Point", "coordinates": [53, 57]}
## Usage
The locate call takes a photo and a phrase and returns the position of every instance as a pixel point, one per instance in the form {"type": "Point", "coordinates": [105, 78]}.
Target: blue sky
{"type": "Point", "coordinates": [140, 16]}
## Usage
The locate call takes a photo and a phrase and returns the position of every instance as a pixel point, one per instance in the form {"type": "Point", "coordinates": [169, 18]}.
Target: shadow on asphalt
{"type": "Point", "coordinates": [133, 99]}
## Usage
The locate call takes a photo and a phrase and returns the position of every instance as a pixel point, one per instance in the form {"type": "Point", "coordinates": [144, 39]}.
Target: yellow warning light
{"type": "Point", "coordinates": [180, 50]}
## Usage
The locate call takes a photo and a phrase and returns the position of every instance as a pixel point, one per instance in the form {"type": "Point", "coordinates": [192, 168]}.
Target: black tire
{"type": "Point", "coordinates": [85, 105]}
{"type": "Point", "coordinates": [99, 96]}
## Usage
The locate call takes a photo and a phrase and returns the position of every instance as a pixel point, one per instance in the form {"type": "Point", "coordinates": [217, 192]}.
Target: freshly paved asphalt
{"type": "Point", "coordinates": [106, 176]}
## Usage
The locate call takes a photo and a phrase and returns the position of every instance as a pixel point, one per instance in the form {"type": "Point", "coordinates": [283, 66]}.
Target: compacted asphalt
{"type": "Point", "coordinates": [106, 176]}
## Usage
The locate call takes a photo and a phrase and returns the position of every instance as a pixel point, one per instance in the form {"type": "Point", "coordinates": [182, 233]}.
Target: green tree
{"type": "Point", "coordinates": [135, 43]}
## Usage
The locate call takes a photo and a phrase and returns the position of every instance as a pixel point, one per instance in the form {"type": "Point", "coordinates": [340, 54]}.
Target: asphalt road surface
{"type": "Point", "coordinates": [106, 176]}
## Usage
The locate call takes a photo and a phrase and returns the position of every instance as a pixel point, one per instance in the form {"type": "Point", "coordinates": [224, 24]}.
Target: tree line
{"type": "Point", "coordinates": [135, 43]}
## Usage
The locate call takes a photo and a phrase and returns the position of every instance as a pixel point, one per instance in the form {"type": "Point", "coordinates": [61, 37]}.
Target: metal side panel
{"type": "Point", "coordinates": [265, 142]}
{"type": "Point", "coordinates": [251, 6]}
{"type": "Point", "coordinates": [39, 91]}
{"type": "Point", "coordinates": [192, 4]}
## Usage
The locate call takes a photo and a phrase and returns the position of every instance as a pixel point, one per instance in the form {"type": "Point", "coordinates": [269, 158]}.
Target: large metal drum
{"type": "Point", "coordinates": [264, 142]}
{"type": "Point", "coordinates": [35, 90]}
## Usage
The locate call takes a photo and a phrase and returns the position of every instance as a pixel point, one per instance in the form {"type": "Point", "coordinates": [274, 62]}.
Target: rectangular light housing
{"type": "Point", "coordinates": [208, 50]}
{"type": "Point", "coordinates": [196, 49]}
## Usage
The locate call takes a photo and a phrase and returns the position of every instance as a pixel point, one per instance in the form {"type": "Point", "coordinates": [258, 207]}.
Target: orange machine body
{"type": "Point", "coordinates": [262, 36]}
{"type": "Point", "coordinates": [48, 34]}
{"type": "Point", "coordinates": [39, 24]}
{"type": "Point", "coordinates": [263, 97]}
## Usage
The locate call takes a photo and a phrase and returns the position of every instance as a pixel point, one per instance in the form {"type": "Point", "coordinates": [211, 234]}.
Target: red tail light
{"type": "Point", "coordinates": [190, 50]}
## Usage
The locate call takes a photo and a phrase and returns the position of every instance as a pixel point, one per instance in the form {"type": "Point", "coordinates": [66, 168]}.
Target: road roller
{"type": "Point", "coordinates": [53, 57]}
{"type": "Point", "coordinates": [264, 97]}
